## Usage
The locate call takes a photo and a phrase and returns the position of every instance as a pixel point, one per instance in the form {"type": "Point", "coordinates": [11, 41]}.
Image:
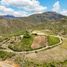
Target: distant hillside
{"type": "Point", "coordinates": [7, 16]}
{"type": "Point", "coordinates": [48, 20]}
{"type": "Point", "coordinates": [48, 16]}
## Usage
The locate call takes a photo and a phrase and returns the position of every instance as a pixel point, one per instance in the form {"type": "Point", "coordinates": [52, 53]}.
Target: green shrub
{"type": "Point", "coordinates": [27, 34]}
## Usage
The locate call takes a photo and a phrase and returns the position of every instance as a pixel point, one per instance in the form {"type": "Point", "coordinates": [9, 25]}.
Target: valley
{"type": "Point", "coordinates": [39, 40]}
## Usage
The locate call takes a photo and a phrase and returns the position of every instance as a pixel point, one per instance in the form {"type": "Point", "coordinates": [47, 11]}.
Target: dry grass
{"type": "Point", "coordinates": [64, 45]}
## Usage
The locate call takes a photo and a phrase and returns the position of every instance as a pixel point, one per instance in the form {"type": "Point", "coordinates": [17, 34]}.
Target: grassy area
{"type": "Point", "coordinates": [31, 63]}
{"type": "Point", "coordinates": [1, 39]}
{"type": "Point", "coordinates": [64, 64]}
{"type": "Point", "coordinates": [4, 38]}
{"type": "Point", "coordinates": [4, 55]}
{"type": "Point", "coordinates": [24, 45]}
{"type": "Point", "coordinates": [53, 40]}
{"type": "Point", "coordinates": [51, 64]}
{"type": "Point", "coordinates": [64, 45]}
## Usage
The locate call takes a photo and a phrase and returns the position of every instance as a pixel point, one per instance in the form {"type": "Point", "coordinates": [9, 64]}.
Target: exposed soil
{"type": "Point", "coordinates": [39, 41]}
{"type": "Point", "coordinates": [8, 64]}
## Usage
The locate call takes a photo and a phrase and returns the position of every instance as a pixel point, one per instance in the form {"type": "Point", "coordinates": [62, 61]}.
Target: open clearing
{"type": "Point", "coordinates": [39, 41]}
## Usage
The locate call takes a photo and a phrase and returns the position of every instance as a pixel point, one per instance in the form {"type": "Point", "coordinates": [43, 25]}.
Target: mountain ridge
{"type": "Point", "coordinates": [47, 20]}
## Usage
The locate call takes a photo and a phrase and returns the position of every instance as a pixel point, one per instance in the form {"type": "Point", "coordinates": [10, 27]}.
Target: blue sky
{"type": "Point", "coordinates": [50, 3]}
{"type": "Point", "coordinates": [20, 8]}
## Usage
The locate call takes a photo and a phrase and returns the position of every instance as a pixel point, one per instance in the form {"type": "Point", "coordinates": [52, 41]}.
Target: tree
{"type": "Point", "coordinates": [27, 34]}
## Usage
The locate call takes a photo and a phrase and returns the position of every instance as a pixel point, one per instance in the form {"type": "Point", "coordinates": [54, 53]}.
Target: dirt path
{"type": "Point", "coordinates": [8, 64]}
{"type": "Point", "coordinates": [25, 52]}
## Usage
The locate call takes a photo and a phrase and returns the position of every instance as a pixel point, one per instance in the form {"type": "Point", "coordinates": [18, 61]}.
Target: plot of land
{"type": "Point", "coordinates": [39, 41]}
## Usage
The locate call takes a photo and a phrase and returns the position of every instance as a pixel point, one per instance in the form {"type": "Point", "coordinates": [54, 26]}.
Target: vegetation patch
{"type": "Point", "coordinates": [64, 45]}
{"type": "Point", "coordinates": [28, 63]}
{"type": "Point", "coordinates": [2, 38]}
{"type": "Point", "coordinates": [26, 42]}
{"type": "Point", "coordinates": [4, 55]}
{"type": "Point", "coordinates": [24, 45]}
{"type": "Point", "coordinates": [52, 40]}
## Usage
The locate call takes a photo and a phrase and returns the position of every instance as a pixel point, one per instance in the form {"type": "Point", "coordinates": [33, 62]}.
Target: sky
{"type": "Point", "coordinates": [22, 8]}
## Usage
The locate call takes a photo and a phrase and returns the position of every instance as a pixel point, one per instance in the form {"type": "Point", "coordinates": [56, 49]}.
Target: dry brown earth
{"type": "Point", "coordinates": [39, 41]}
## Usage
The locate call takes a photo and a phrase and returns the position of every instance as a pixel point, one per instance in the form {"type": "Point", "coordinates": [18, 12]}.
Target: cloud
{"type": "Point", "coordinates": [8, 11]}
{"type": "Point", "coordinates": [5, 9]}
{"type": "Point", "coordinates": [27, 6]}
{"type": "Point", "coordinates": [56, 6]}
{"type": "Point", "coordinates": [64, 12]}
{"type": "Point", "coordinates": [21, 8]}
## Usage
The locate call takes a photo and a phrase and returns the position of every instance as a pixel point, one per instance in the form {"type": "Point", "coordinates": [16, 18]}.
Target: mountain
{"type": "Point", "coordinates": [7, 16]}
{"type": "Point", "coordinates": [47, 16]}
{"type": "Point", "coordinates": [48, 20]}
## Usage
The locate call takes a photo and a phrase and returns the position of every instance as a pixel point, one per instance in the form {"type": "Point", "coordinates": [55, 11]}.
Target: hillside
{"type": "Point", "coordinates": [48, 20]}
{"type": "Point", "coordinates": [33, 42]}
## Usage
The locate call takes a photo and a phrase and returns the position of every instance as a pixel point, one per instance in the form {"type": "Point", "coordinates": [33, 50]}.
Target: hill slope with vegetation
{"type": "Point", "coordinates": [49, 20]}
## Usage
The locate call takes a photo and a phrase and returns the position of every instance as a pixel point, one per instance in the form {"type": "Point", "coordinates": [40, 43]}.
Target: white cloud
{"type": "Point", "coordinates": [5, 9]}
{"type": "Point", "coordinates": [64, 12]}
{"type": "Point", "coordinates": [20, 13]}
{"type": "Point", "coordinates": [27, 7]}
{"type": "Point", "coordinates": [56, 7]}
{"type": "Point", "coordinates": [30, 6]}
{"type": "Point", "coordinates": [1, 14]}
{"type": "Point", "coordinates": [8, 11]}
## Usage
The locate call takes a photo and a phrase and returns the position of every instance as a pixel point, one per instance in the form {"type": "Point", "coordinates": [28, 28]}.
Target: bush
{"type": "Point", "coordinates": [27, 34]}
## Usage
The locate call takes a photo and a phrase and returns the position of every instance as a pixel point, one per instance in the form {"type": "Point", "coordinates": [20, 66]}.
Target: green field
{"type": "Point", "coordinates": [53, 40]}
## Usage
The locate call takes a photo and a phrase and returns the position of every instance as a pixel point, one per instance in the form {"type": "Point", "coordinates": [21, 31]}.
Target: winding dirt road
{"type": "Point", "coordinates": [25, 52]}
